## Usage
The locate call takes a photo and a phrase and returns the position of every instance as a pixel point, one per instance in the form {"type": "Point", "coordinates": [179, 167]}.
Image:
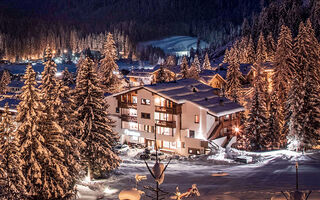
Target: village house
{"type": "Point", "coordinates": [182, 115]}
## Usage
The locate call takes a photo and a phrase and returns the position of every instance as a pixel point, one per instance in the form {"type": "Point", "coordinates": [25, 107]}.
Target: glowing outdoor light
{"type": "Point", "coordinates": [157, 101]}
{"type": "Point", "coordinates": [237, 129]}
{"type": "Point", "coordinates": [65, 51]}
{"type": "Point", "coordinates": [53, 51]}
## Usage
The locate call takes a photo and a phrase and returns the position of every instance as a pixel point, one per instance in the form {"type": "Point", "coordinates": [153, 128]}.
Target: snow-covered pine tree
{"type": "Point", "coordinates": [108, 67]}
{"type": "Point", "coordinates": [4, 81]}
{"type": "Point", "coordinates": [196, 63]}
{"type": "Point", "coordinates": [292, 128]}
{"type": "Point", "coordinates": [308, 61]}
{"type": "Point", "coordinates": [226, 57]}
{"type": "Point", "coordinates": [256, 122]}
{"type": "Point", "coordinates": [171, 61]}
{"type": "Point", "coordinates": [243, 50]}
{"type": "Point", "coordinates": [63, 117]}
{"type": "Point", "coordinates": [206, 63]}
{"type": "Point", "coordinates": [284, 73]}
{"type": "Point", "coordinates": [193, 72]}
{"type": "Point", "coordinates": [46, 175]}
{"type": "Point", "coordinates": [261, 53]}
{"type": "Point", "coordinates": [184, 68]}
{"type": "Point", "coordinates": [250, 51]}
{"type": "Point", "coordinates": [49, 81]}
{"type": "Point", "coordinates": [13, 183]}
{"type": "Point", "coordinates": [67, 77]}
{"type": "Point", "coordinates": [163, 75]}
{"type": "Point", "coordinates": [233, 85]}
{"type": "Point", "coordinates": [271, 47]}
{"type": "Point", "coordinates": [274, 138]}
{"type": "Point", "coordinates": [94, 127]}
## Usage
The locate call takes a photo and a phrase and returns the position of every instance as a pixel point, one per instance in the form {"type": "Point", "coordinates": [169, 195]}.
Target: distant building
{"type": "Point", "coordinates": [15, 86]}
{"type": "Point", "coordinates": [12, 103]}
{"type": "Point", "coordinates": [183, 115]}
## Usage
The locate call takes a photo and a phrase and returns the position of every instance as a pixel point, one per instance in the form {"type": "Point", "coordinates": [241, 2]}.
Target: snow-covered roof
{"type": "Point", "coordinates": [140, 73]}
{"type": "Point", "coordinates": [17, 84]}
{"type": "Point", "coordinates": [12, 103]}
{"type": "Point", "coordinates": [198, 93]}
{"type": "Point", "coordinates": [174, 69]}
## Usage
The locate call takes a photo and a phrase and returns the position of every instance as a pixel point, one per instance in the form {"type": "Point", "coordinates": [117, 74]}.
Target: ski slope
{"type": "Point", "coordinates": [177, 45]}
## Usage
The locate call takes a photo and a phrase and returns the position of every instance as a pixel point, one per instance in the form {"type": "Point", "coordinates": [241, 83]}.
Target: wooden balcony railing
{"type": "Point", "coordinates": [128, 118]}
{"type": "Point", "coordinates": [163, 109]}
{"type": "Point", "coordinates": [127, 105]}
{"type": "Point", "coordinates": [170, 124]}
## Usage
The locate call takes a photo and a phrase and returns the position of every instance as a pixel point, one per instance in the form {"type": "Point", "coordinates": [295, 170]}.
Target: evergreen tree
{"type": "Point", "coordinates": [206, 63]}
{"type": "Point", "coordinates": [4, 81]}
{"type": "Point", "coordinates": [271, 47]}
{"type": "Point", "coordinates": [196, 63]}
{"type": "Point", "coordinates": [274, 138]}
{"type": "Point", "coordinates": [163, 75]}
{"type": "Point", "coordinates": [46, 175]}
{"type": "Point", "coordinates": [284, 74]}
{"type": "Point", "coordinates": [250, 51]}
{"type": "Point", "coordinates": [306, 127]}
{"type": "Point", "coordinates": [226, 58]}
{"type": "Point", "coordinates": [67, 77]}
{"type": "Point", "coordinates": [48, 80]}
{"type": "Point", "coordinates": [184, 68]}
{"type": "Point", "coordinates": [261, 53]}
{"type": "Point", "coordinates": [93, 125]}
{"type": "Point", "coordinates": [243, 50]}
{"type": "Point", "coordinates": [233, 85]}
{"type": "Point", "coordinates": [193, 72]}
{"type": "Point", "coordinates": [254, 137]}
{"type": "Point", "coordinates": [171, 61]}
{"type": "Point", "coordinates": [14, 183]}
{"type": "Point", "coordinates": [109, 68]}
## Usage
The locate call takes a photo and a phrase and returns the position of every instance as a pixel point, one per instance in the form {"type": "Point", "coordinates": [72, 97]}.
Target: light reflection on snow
{"type": "Point", "coordinates": [108, 190]}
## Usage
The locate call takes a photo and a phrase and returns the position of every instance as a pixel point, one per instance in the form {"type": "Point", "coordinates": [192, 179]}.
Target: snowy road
{"type": "Point", "coordinates": [253, 181]}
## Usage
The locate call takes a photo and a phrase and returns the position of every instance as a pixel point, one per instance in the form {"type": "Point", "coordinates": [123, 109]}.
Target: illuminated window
{"type": "Point", "coordinates": [166, 144]}
{"type": "Point", "coordinates": [134, 99]}
{"type": "Point", "coordinates": [145, 115]}
{"type": "Point", "coordinates": [196, 119]}
{"type": "Point", "coordinates": [145, 101]}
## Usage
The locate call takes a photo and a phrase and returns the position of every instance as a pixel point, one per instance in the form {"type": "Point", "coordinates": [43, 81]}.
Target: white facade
{"type": "Point", "coordinates": [142, 114]}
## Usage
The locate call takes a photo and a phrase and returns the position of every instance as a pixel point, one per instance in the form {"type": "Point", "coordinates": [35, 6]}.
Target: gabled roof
{"type": "Point", "coordinates": [190, 90]}
{"type": "Point", "coordinates": [18, 84]}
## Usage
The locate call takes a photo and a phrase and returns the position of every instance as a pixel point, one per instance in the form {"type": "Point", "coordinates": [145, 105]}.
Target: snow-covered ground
{"type": "Point", "coordinates": [178, 45]}
{"type": "Point", "coordinates": [269, 174]}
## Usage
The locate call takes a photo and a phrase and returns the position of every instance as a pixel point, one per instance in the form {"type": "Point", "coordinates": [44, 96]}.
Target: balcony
{"type": "Point", "coordinates": [163, 109]}
{"type": "Point", "coordinates": [128, 118]}
{"type": "Point", "coordinates": [127, 105]}
{"type": "Point", "coordinates": [163, 123]}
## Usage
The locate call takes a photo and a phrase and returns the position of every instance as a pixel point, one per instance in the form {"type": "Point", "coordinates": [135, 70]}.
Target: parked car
{"type": "Point", "coordinates": [121, 148]}
{"type": "Point", "coordinates": [161, 156]}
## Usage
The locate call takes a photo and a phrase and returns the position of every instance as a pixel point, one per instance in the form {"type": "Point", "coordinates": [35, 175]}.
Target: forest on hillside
{"type": "Point", "coordinates": [27, 26]}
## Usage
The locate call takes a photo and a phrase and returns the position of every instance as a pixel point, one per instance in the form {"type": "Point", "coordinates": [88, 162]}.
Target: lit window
{"type": "Point", "coordinates": [134, 99]}
{"type": "Point", "coordinates": [196, 119]}
{"type": "Point", "coordinates": [173, 145]}
{"type": "Point", "coordinates": [166, 144]}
